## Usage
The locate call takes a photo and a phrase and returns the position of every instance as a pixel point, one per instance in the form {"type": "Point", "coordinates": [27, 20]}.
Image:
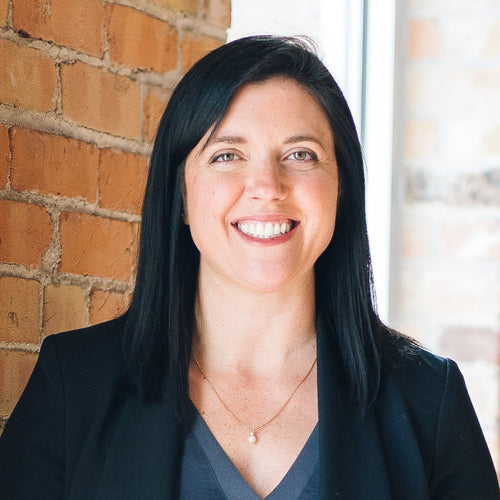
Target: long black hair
{"type": "Point", "coordinates": [159, 325]}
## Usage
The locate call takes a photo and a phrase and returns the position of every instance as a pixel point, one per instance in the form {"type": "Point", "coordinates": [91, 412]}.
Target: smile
{"type": "Point", "coordinates": [265, 230]}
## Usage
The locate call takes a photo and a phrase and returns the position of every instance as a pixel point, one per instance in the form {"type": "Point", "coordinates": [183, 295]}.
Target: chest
{"type": "Point", "coordinates": [280, 427]}
{"type": "Point", "coordinates": [207, 472]}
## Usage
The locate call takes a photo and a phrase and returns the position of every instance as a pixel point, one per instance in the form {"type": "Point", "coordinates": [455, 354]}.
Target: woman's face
{"type": "Point", "coordinates": [261, 192]}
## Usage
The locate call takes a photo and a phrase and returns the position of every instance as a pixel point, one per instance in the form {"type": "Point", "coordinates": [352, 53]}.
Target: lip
{"type": "Point", "coordinates": [272, 229]}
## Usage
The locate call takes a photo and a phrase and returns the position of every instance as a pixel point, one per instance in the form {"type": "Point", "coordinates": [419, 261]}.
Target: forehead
{"type": "Point", "coordinates": [272, 93]}
{"type": "Point", "coordinates": [282, 101]}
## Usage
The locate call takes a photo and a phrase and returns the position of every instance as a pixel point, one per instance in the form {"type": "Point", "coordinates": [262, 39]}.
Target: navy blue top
{"type": "Point", "coordinates": [208, 473]}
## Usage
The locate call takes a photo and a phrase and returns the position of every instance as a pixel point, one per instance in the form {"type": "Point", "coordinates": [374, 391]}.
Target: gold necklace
{"type": "Point", "coordinates": [252, 438]}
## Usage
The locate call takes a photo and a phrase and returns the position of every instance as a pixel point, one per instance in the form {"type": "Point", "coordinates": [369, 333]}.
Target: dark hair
{"type": "Point", "coordinates": [159, 325]}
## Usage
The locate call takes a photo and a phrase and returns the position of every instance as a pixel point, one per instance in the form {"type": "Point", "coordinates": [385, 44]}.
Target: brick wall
{"type": "Point", "coordinates": [446, 274]}
{"type": "Point", "coordinates": [82, 85]}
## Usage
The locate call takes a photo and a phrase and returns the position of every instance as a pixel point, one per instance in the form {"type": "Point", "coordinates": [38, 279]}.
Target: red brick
{"type": "Point", "coordinates": [194, 49]}
{"type": "Point", "coordinates": [4, 155]}
{"type": "Point", "coordinates": [71, 23]}
{"type": "Point", "coordinates": [19, 310]}
{"type": "Point", "coordinates": [140, 41]}
{"type": "Point", "coordinates": [219, 13]}
{"type": "Point", "coordinates": [424, 39]}
{"type": "Point", "coordinates": [52, 164]}
{"type": "Point", "coordinates": [122, 180]}
{"type": "Point", "coordinates": [189, 6]}
{"type": "Point", "coordinates": [97, 246]}
{"type": "Point", "coordinates": [105, 305]}
{"type": "Point", "coordinates": [25, 233]}
{"type": "Point", "coordinates": [3, 12]}
{"type": "Point", "coordinates": [153, 106]}
{"type": "Point", "coordinates": [101, 100]}
{"type": "Point", "coordinates": [28, 77]}
{"type": "Point", "coordinates": [15, 370]}
{"type": "Point", "coordinates": [64, 308]}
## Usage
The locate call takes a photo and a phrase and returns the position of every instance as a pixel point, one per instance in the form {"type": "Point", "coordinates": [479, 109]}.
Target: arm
{"type": "Point", "coordinates": [32, 446]}
{"type": "Point", "coordinates": [462, 467]}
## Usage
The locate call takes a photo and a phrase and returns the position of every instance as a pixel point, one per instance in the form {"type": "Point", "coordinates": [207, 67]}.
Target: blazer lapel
{"type": "Point", "coordinates": [132, 454]}
{"type": "Point", "coordinates": [143, 461]}
{"type": "Point", "coordinates": [352, 463]}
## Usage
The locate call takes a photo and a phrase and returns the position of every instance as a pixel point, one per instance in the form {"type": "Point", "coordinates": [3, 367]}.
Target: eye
{"type": "Point", "coordinates": [223, 157]}
{"type": "Point", "coordinates": [303, 156]}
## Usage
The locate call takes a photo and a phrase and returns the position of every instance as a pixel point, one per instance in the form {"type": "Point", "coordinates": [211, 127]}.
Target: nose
{"type": "Point", "coordinates": [266, 181]}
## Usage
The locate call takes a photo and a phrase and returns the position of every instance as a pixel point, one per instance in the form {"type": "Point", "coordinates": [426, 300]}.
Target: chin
{"type": "Point", "coordinates": [267, 284]}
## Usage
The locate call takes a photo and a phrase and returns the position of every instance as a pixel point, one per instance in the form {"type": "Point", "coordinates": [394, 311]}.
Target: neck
{"type": "Point", "coordinates": [253, 331]}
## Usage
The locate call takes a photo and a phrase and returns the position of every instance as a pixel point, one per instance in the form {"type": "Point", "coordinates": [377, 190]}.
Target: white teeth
{"type": "Point", "coordinates": [264, 231]}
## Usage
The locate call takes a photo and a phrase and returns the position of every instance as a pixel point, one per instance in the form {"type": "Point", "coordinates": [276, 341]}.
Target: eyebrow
{"type": "Point", "coordinates": [235, 139]}
{"type": "Point", "coordinates": [301, 138]}
{"type": "Point", "coordinates": [229, 139]}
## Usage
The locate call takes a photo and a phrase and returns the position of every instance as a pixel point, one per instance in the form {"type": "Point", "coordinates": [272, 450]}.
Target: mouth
{"type": "Point", "coordinates": [266, 230]}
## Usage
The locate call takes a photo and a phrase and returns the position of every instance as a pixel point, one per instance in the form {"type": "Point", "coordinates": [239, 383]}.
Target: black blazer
{"type": "Point", "coordinates": [76, 433]}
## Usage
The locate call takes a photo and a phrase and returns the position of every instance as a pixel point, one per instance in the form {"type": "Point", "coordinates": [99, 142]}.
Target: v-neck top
{"type": "Point", "coordinates": [208, 473]}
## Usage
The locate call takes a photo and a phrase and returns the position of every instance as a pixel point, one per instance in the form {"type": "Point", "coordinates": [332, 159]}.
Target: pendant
{"type": "Point", "coordinates": [252, 439]}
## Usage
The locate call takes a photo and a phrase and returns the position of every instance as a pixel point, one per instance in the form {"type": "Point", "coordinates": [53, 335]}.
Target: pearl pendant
{"type": "Point", "coordinates": [252, 439]}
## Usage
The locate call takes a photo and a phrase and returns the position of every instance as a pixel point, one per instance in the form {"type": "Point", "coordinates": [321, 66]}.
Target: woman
{"type": "Point", "coordinates": [251, 362]}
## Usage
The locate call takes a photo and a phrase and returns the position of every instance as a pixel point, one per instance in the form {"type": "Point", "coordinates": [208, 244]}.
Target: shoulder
{"type": "Point", "coordinates": [425, 389]}
{"type": "Point", "coordinates": [418, 372]}
{"type": "Point", "coordinates": [408, 367]}
{"type": "Point", "coordinates": [414, 391]}
{"type": "Point", "coordinates": [101, 338]}
{"type": "Point", "coordinates": [414, 358]}
{"type": "Point", "coordinates": [93, 352]}
{"type": "Point", "coordinates": [424, 408]}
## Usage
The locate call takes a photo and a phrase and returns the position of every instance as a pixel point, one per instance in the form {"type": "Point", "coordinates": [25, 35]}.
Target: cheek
{"type": "Point", "coordinates": [196, 207]}
{"type": "Point", "coordinates": [323, 193]}
{"type": "Point", "coordinates": [324, 197]}
{"type": "Point", "coordinates": [195, 198]}
{"type": "Point", "coordinates": [204, 207]}
{"type": "Point", "coordinates": [211, 197]}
